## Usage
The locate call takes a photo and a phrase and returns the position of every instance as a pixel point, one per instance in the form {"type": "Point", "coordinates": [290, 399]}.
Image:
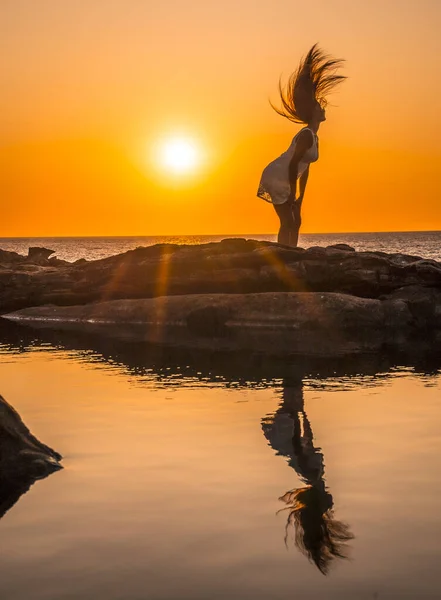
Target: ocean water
{"type": "Point", "coordinates": [191, 477]}
{"type": "Point", "coordinates": [419, 243]}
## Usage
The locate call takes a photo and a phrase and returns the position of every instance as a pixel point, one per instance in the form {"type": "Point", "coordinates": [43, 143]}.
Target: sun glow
{"type": "Point", "coordinates": [179, 155]}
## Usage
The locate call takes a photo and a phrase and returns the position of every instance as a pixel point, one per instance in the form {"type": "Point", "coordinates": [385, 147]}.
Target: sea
{"type": "Point", "coordinates": [418, 243]}
{"type": "Point", "coordinates": [198, 475]}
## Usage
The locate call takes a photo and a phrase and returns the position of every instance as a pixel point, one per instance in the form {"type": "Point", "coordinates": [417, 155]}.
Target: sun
{"type": "Point", "coordinates": [179, 155]}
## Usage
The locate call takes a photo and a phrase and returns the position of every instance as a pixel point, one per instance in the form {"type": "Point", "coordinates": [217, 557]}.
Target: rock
{"type": "Point", "coordinates": [344, 247]}
{"type": "Point", "coordinates": [57, 262]}
{"type": "Point", "coordinates": [208, 320]}
{"type": "Point", "coordinates": [23, 459]}
{"type": "Point", "coordinates": [423, 303]}
{"type": "Point", "coordinates": [402, 259]}
{"type": "Point", "coordinates": [38, 254]}
{"type": "Point", "coordinates": [314, 251]}
{"type": "Point", "coordinates": [294, 322]}
{"type": "Point", "coordinates": [21, 454]}
{"type": "Point", "coordinates": [8, 259]}
{"type": "Point", "coordinates": [233, 266]}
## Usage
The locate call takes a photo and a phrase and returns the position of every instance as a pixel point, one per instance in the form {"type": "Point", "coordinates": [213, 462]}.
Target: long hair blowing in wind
{"type": "Point", "coordinates": [317, 534]}
{"type": "Point", "coordinates": [315, 77]}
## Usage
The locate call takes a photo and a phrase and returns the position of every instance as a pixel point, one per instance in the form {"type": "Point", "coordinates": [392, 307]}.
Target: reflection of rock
{"type": "Point", "coordinates": [23, 459]}
{"type": "Point", "coordinates": [206, 361]}
{"type": "Point", "coordinates": [317, 533]}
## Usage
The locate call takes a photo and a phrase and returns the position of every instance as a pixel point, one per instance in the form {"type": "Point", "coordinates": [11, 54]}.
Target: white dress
{"type": "Point", "coordinates": [274, 184]}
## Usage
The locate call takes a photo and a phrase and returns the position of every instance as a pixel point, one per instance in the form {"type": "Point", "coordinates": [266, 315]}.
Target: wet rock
{"type": "Point", "coordinates": [21, 453]}
{"type": "Point", "coordinates": [23, 458]}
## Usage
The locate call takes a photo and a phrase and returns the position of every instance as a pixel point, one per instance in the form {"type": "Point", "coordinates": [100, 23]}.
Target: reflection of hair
{"type": "Point", "coordinates": [318, 535]}
{"type": "Point", "coordinates": [309, 85]}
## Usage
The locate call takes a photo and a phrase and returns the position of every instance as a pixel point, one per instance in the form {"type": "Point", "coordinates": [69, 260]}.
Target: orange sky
{"type": "Point", "coordinates": [91, 85]}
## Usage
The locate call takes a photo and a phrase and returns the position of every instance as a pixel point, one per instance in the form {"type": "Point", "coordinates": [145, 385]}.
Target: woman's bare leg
{"type": "Point", "coordinates": [287, 223]}
{"type": "Point", "coordinates": [297, 218]}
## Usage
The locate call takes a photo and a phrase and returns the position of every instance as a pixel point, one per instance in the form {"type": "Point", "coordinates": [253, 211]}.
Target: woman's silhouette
{"type": "Point", "coordinates": [303, 101]}
{"type": "Point", "coordinates": [317, 533]}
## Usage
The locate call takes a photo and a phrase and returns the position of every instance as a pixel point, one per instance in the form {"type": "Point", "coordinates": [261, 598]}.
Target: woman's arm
{"type": "Point", "coordinates": [303, 144]}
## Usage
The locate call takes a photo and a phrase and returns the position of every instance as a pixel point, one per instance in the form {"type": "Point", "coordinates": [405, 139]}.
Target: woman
{"type": "Point", "coordinates": [303, 101]}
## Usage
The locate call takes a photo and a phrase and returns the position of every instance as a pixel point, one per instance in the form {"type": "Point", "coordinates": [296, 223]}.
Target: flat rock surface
{"type": "Point", "coordinates": [314, 323]}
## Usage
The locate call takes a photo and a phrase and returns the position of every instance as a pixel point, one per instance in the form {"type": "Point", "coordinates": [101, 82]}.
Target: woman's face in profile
{"type": "Point", "coordinates": [319, 113]}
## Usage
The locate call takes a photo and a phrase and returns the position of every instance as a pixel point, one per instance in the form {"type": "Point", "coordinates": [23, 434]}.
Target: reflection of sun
{"type": "Point", "coordinates": [179, 155]}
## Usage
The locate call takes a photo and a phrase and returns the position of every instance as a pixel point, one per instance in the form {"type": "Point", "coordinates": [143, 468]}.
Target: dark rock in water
{"type": "Point", "coordinates": [23, 459]}
{"type": "Point", "coordinates": [38, 254]}
{"type": "Point", "coordinates": [21, 453]}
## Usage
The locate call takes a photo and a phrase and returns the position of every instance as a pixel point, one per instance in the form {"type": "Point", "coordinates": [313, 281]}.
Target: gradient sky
{"type": "Point", "coordinates": [90, 86]}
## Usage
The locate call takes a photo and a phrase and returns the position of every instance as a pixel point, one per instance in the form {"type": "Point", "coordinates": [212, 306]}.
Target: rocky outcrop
{"type": "Point", "coordinates": [232, 266]}
{"type": "Point", "coordinates": [10, 259]}
{"type": "Point", "coordinates": [23, 459]}
{"type": "Point", "coordinates": [39, 254]}
{"type": "Point", "coordinates": [334, 292]}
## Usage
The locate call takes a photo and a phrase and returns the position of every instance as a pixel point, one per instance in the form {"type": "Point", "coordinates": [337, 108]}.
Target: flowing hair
{"type": "Point", "coordinates": [317, 534]}
{"type": "Point", "coordinates": [315, 77]}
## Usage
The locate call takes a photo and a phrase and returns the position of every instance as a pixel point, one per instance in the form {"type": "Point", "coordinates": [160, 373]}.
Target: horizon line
{"type": "Point", "coordinates": [230, 235]}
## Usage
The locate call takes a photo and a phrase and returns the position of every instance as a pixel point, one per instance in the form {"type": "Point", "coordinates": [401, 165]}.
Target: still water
{"type": "Point", "coordinates": [175, 475]}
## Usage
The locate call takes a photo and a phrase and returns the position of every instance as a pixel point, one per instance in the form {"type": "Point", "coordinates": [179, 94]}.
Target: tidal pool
{"type": "Point", "coordinates": [223, 482]}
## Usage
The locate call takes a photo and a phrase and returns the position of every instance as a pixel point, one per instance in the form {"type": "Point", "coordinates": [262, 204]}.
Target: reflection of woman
{"type": "Point", "coordinates": [303, 101]}
{"type": "Point", "coordinates": [317, 533]}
